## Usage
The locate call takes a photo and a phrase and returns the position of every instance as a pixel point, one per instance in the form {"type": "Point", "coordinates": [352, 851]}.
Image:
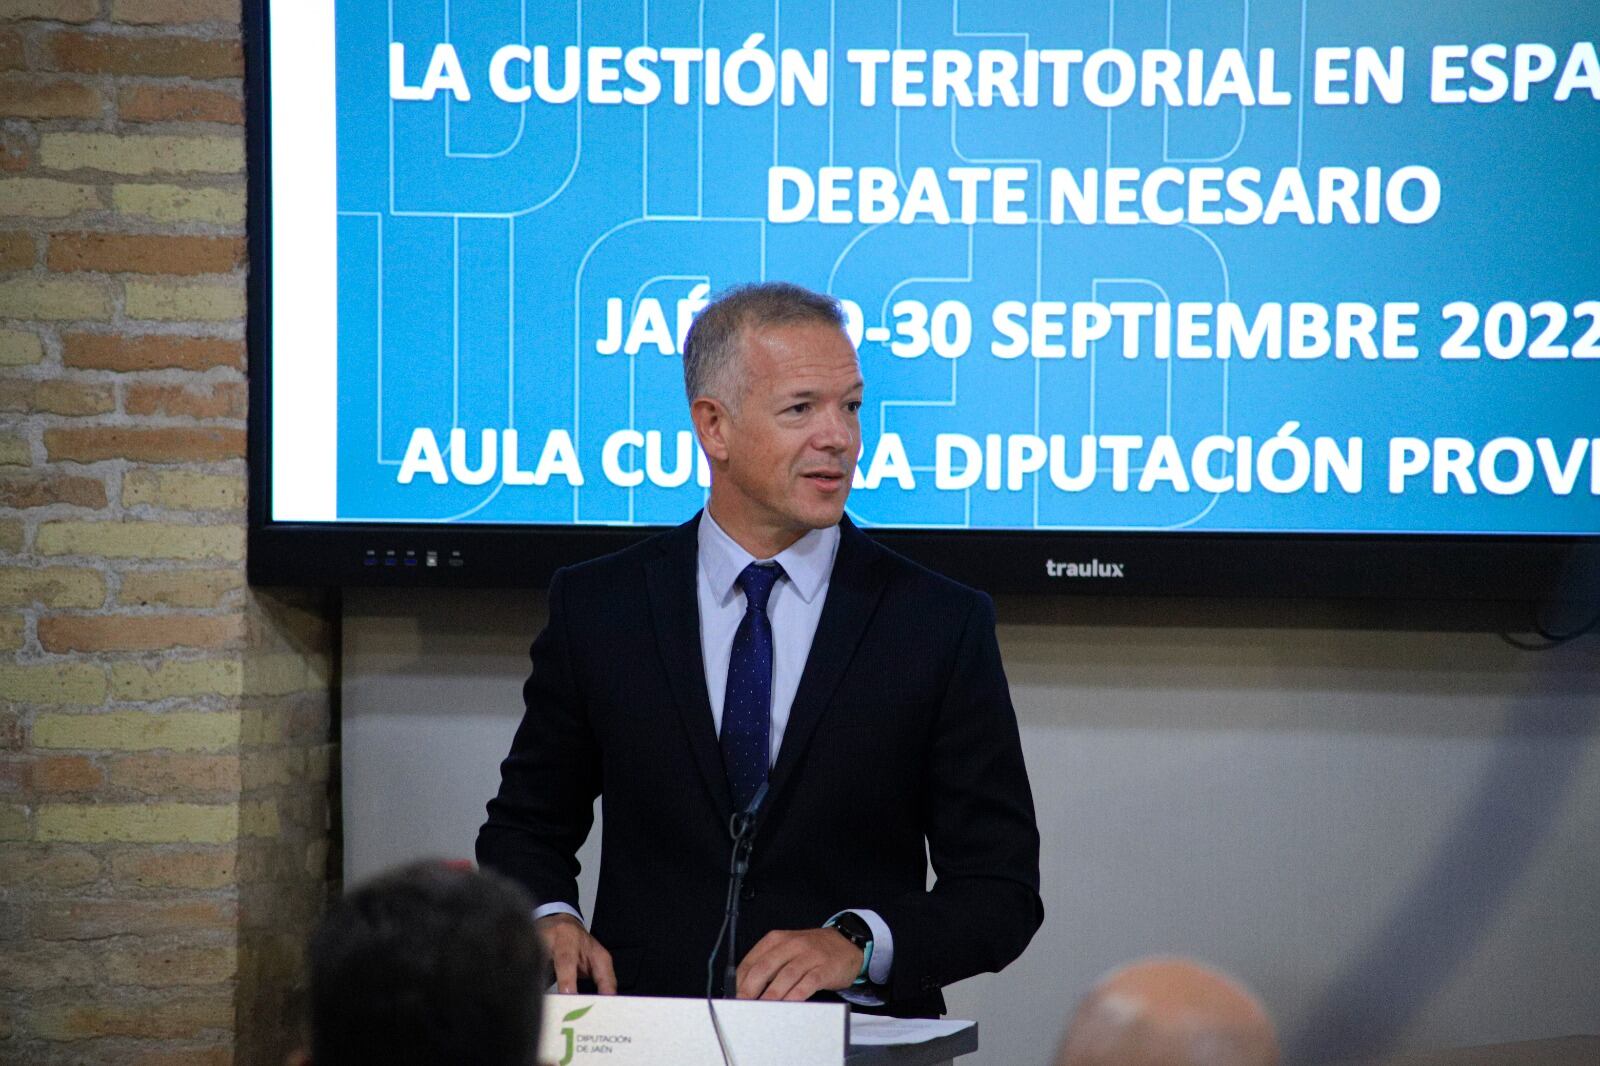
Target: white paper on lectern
{"type": "Point", "coordinates": [873, 1030]}
{"type": "Point", "coordinates": [652, 1031]}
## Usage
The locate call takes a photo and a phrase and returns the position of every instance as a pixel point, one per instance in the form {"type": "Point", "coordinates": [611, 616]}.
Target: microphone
{"type": "Point", "coordinates": [742, 828]}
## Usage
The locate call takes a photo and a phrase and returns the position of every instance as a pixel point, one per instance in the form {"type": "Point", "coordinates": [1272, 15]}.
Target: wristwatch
{"type": "Point", "coordinates": [854, 928]}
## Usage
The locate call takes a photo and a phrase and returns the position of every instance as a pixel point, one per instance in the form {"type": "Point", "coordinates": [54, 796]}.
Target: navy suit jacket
{"type": "Point", "coordinates": [901, 746]}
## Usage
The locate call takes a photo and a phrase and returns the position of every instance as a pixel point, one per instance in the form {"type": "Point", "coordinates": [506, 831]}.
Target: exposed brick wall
{"type": "Point", "coordinates": [165, 732]}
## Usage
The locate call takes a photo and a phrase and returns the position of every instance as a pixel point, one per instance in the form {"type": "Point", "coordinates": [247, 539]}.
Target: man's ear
{"type": "Point", "coordinates": [710, 419]}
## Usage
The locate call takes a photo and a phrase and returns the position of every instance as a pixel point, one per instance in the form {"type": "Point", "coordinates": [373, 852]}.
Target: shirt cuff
{"type": "Point", "coordinates": [882, 948]}
{"type": "Point", "coordinates": [547, 909]}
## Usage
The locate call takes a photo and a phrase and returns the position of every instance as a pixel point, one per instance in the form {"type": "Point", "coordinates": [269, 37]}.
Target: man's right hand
{"type": "Point", "coordinates": [574, 954]}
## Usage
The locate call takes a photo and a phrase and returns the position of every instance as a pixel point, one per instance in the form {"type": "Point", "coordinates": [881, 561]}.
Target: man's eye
{"type": "Point", "coordinates": [853, 406]}
{"type": "Point", "coordinates": [800, 408]}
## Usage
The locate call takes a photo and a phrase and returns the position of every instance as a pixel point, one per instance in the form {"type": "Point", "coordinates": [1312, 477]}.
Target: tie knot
{"type": "Point", "coordinates": [757, 580]}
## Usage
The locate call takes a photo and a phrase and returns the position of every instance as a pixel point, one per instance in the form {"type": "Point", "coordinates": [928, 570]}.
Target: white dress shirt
{"type": "Point", "coordinates": [794, 609]}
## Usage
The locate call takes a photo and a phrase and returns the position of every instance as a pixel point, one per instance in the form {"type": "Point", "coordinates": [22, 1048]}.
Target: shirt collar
{"type": "Point", "coordinates": [806, 563]}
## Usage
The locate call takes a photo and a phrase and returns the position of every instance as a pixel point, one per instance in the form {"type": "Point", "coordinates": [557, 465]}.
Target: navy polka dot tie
{"type": "Point", "coordinates": [747, 707]}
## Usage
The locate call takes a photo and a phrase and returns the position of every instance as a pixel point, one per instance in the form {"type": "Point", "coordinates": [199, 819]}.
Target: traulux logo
{"type": "Point", "coordinates": [1091, 568]}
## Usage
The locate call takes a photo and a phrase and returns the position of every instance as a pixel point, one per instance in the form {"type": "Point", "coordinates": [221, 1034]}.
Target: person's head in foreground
{"type": "Point", "coordinates": [1169, 1012]}
{"type": "Point", "coordinates": [430, 963]}
{"type": "Point", "coordinates": [774, 390]}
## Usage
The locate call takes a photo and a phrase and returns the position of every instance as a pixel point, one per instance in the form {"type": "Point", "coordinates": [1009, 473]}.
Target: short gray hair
{"type": "Point", "coordinates": [709, 364]}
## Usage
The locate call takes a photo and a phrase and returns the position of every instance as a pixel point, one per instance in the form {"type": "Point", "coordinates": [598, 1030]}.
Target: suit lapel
{"type": "Point", "coordinates": [853, 592]}
{"type": "Point", "coordinates": [675, 612]}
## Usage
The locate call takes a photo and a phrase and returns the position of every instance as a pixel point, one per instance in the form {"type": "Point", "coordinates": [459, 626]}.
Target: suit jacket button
{"type": "Point", "coordinates": [748, 893]}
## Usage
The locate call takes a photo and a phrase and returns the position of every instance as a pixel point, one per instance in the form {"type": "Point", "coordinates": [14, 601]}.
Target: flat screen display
{"type": "Point", "coordinates": [1259, 267]}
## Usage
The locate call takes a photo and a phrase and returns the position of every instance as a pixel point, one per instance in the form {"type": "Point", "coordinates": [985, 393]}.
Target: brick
{"type": "Point", "coordinates": [259, 818]}
{"type": "Point", "coordinates": [167, 680]}
{"type": "Point", "coordinates": [16, 145]}
{"type": "Point", "coordinates": [16, 251]}
{"type": "Point", "coordinates": [93, 919]}
{"type": "Point", "coordinates": [183, 491]}
{"type": "Point", "coordinates": [14, 823]}
{"type": "Point", "coordinates": [174, 12]}
{"type": "Point", "coordinates": [178, 588]}
{"type": "Point", "coordinates": [20, 349]}
{"type": "Point", "coordinates": [46, 865]}
{"type": "Point", "coordinates": [11, 732]}
{"type": "Point", "coordinates": [221, 1055]}
{"type": "Point", "coordinates": [139, 823]}
{"type": "Point", "coordinates": [260, 725]}
{"type": "Point", "coordinates": [104, 351]}
{"type": "Point", "coordinates": [34, 966]}
{"type": "Point", "coordinates": [138, 731]}
{"type": "Point", "coordinates": [13, 53]}
{"type": "Point", "coordinates": [315, 863]}
{"type": "Point", "coordinates": [164, 56]}
{"type": "Point", "coordinates": [140, 540]}
{"type": "Point", "coordinates": [54, 396]}
{"type": "Point", "coordinates": [225, 399]}
{"type": "Point", "coordinates": [13, 632]}
{"type": "Point", "coordinates": [138, 632]}
{"type": "Point", "coordinates": [32, 96]}
{"type": "Point", "coordinates": [159, 1020]}
{"type": "Point", "coordinates": [267, 769]}
{"type": "Point", "coordinates": [223, 206]}
{"type": "Point", "coordinates": [173, 103]}
{"type": "Point", "coordinates": [173, 966]}
{"type": "Point", "coordinates": [42, 490]}
{"type": "Point", "coordinates": [147, 445]}
{"type": "Point", "coordinates": [12, 533]}
{"type": "Point", "coordinates": [73, 398]}
{"type": "Point", "coordinates": [67, 773]}
{"type": "Point", "coordinates": [185, 301]}
{"type": "Point", "coordinates": [279, 675]}
{"type": "Point", "coordinates": [53, 10]}
{"type": "Point", "coordinates": [200, 867]}
{"type": "Point", "coordinates": [60, 683]}
{"type": "Point", "coordinates": [141, 153]}
{"type": "Point", "coordinates": [53, 299]}
{"type": "Point", "coordinates": [45, 198]}
{"type": "Point", "coordinates": [16, 776]}
{"type": "Point", "coordinates": [173, 775]}
{"type": "Point", "coordinates": [52, 586]}
{"type": "Point", "coordinates": [15, 451]}
{"type": "Point", "coordinates": [143, 253]}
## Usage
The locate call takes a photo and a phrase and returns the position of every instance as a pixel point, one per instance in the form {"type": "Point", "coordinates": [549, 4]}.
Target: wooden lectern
{"type": "Point", "coordinates": [653, 1031]}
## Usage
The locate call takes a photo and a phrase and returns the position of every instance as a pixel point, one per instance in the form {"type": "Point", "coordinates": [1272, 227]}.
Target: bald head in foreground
{"type": "Point", "coordinates": [1169, 1012]}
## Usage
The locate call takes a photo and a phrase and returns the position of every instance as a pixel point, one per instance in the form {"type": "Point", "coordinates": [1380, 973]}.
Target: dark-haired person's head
{"type": "Point", "coordinates": [430, 963]}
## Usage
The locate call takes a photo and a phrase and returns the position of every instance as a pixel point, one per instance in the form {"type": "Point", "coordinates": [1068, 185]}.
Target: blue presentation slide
{"type": "Point", "coordinates": [1233, 266]}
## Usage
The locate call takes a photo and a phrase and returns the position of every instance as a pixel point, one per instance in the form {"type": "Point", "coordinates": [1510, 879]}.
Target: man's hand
{"type": "Point", "coordinates": [574, 954]}
{"type": "Point", "coordinates": [795, 964]}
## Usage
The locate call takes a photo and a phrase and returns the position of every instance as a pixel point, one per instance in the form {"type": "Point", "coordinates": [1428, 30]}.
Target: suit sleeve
{"type": "Point", "coordinates": [549, 781]}
{"type": "Point", "coordinates": [983, 840]}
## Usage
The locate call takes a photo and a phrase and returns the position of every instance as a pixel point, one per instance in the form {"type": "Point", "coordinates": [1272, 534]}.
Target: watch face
{"type": "Point", "coordinates": [854, 929]}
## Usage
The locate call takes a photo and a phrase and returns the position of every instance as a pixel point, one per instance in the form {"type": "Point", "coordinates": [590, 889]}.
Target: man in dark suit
{"type": "Point", "coordinates": [770, 641]}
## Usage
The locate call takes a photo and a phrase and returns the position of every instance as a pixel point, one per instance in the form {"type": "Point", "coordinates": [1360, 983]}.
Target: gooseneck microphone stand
{"type": "Point", "coordinates": [742, 828]}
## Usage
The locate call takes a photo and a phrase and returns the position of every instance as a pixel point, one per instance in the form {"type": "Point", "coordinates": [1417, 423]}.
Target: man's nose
{"type": "Point", "coordinates": [836, 433]}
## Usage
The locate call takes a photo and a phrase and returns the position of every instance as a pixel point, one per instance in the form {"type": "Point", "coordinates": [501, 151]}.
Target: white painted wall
{"type": "Point", "coordinates": [1394, 837]}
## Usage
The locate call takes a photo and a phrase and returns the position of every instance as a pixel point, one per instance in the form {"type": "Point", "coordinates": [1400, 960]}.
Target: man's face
{"type": "Point", "coordinates": [784, 454]}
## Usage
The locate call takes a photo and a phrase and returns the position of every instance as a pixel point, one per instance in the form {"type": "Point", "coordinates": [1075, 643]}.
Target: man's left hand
{"type": "Point", "coordinates": [795, 964]}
